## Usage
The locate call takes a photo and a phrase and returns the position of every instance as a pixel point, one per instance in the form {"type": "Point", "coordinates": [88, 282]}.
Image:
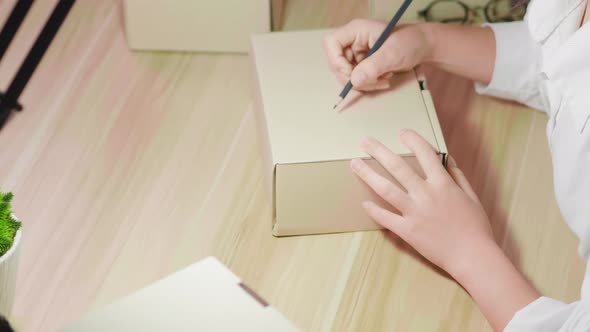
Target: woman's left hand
{"type": "Point", "coordinates": [440, 216]}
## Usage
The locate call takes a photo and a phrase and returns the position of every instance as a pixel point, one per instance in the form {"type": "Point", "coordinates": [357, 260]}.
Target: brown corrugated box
{"type": "Point", "coordinates": [308, 145]}
{"type": "Point", "coordinates": [198, 25]}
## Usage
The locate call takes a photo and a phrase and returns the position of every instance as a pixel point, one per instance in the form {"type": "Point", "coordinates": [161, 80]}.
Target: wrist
{"type": "Point", "coordinates": [487, 262]}
{"type": "Point", "coordinates": [495, 284]}
{"type": "Point", "coordinates": [429, 30]}
{"type": "Point", "coordinates": [478, 260]}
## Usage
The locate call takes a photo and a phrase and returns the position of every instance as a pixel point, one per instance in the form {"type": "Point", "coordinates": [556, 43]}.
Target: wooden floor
{"type": "Point", "coordinates": [129, 166]}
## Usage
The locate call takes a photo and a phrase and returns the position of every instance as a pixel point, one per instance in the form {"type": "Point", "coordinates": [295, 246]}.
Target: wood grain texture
{"type": "Point", "coordinates": [129, 166]}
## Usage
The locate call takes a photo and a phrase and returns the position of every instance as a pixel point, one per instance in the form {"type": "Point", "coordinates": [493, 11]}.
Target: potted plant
{"type": "Point", "coordinates": [10, 238]}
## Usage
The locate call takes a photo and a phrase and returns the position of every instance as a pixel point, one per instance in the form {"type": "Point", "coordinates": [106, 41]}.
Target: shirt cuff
{"type": "Point", "coordinates": [542, 315]}
{"type": "Point", "coordinates": [516, 74]}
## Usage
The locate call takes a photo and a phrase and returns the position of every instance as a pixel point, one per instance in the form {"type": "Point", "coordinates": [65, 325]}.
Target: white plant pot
{"type": "Point", "coordinates": [8, 269]}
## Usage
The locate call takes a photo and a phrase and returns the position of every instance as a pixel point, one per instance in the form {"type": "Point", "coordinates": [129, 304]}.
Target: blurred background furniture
{"type": "Point", "coordinates": [456, 11]}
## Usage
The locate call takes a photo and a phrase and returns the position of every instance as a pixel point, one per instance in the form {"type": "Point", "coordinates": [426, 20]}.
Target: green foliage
{"type": "Point", "coordinates": [8, 225]}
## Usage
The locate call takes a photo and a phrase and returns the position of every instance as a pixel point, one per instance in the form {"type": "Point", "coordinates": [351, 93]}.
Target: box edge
{"type": "Point", "coordinates": [431, 113]}
{"type": "Point", "coordinates": [263, 137]}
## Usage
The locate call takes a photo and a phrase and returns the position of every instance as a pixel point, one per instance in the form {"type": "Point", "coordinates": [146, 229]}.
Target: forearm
{"type": "Point", "coordinates": [465, 50]}
{"type": "Point", "coordinates": [497, 287]}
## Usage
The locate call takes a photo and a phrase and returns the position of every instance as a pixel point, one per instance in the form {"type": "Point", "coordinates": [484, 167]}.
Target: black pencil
{"type": "Point", "coordinates": [378, 43]}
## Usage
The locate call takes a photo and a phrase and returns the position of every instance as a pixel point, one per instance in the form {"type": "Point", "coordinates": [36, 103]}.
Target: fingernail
{"type": "Point", "coordinates": [355, 164]}
{"type": "Point", "coordinates": [344, 71]}
{"type": "Point", "coordinates": [365, 142]}
{"type": "Point", "coordinates": [382, 86]}
{"type": "Point", "coordinates": [358, 77]}
{"type": "Point", "coordinates": [366, 204]}
{"type": "Point", "coordinates": [451, 161]}
{"type": "Point", "coordinates": [403, 131]}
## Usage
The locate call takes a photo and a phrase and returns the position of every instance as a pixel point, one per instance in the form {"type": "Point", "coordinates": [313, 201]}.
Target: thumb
{"type": "Point", "coordinates": [460, 179]}
{"type": "Point", "coordinates": [372, 68]}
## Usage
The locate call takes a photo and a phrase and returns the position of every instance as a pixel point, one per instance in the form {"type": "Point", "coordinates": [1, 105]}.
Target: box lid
{"type": "Point", "coordinates": [205, 296]}
{"type": "Point", "coordinates": [298, 90]}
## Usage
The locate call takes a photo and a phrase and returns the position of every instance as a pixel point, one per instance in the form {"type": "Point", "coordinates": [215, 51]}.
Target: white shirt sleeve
{"type": "Point", "coordinates": [549, 315]}
{"type": "Point", "coordinates": [517, 69]}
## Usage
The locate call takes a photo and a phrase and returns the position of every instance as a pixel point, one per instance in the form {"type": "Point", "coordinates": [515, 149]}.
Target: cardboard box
{"type": "Point", "coordinates": [385, 9]}
{"type": "Point", "coordinates": [205, 296]}
{"type": "Point", "coordinates": [198, 25]}
{"type": "Point", "coordinates": [308, 145]}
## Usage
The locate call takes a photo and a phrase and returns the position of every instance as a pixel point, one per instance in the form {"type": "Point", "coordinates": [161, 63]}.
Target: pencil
{"type": "Point", "coordinates": [378, 43]}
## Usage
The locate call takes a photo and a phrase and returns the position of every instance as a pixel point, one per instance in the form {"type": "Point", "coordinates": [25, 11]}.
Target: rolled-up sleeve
{"type": "Point", "coordinates": [549, 315]}
{"type": "Point", "coordinates": [516, 70]}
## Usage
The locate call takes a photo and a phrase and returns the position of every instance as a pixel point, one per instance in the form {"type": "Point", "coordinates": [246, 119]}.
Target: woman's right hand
{"type": "Point", "coordinates": [347, 47]}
